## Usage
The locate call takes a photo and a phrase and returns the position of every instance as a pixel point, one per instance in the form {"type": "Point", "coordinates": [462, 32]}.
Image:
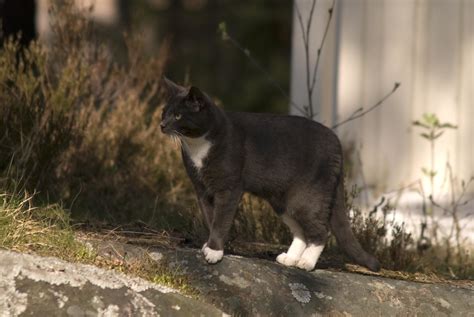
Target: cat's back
{"type": "Point", "coordinates": [285, 129]}
{"type": "Point", "coordinates": [284, 142]}
{"type": "Point", "coordinates": [279, 149]}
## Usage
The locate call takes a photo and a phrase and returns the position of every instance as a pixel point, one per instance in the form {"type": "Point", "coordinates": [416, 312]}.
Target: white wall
{"type": "Point", "coordinates": [428, 46]}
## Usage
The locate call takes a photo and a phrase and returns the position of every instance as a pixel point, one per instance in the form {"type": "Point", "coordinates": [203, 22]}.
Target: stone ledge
{"type": "Point", "coordinates": [41, 286]}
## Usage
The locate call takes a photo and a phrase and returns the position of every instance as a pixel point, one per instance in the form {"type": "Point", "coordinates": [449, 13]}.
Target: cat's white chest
{"type": "Point", "coordinates": [197, 149]}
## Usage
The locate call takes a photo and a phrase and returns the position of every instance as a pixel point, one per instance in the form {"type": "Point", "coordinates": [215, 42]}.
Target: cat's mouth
{"type": "Point", "coordinates": [183, 132]}
{"type": "Point", "coordinates": [171, 133]}
{"type": "Point", "coordinates": [168, 130]}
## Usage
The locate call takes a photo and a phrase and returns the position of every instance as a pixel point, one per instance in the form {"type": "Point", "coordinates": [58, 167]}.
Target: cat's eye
{"type": "Point", "coordinates": [177, 116]}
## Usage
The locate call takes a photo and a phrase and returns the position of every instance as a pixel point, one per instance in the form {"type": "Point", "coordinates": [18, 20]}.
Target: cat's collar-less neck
{"type": "Point", "coordinates": [194, 141]}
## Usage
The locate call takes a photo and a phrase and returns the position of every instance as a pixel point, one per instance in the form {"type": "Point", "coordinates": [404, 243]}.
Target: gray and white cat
{"type": "Point", "coordinates": [294, 163]}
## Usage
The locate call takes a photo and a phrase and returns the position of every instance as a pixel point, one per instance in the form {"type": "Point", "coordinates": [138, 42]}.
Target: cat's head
{"type": "Point", "coordinates": [187, 111]}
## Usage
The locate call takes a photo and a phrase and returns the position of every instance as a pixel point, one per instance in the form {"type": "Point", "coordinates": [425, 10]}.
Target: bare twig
{"type": "Point", "coordinates": [423, 242]}
{"type": "Point", "coordinates": [321, 46]}
{"type": "Point", "coordinates": [311, 77]}
{"type": "Point", "coordinates": [376, 207]}
{"type": "Point", "coordinates": [310, 19]}
{"type": "Point", "coordinates": [465, 186]}
{"type": "Point", "coordinates": [306, 33]}
{"type": "Point", "coordinates": [269, 77]}
{"type": "Point", "coordinates": [409, 185]}
{"type": "Point", "coordinates": [446, 210]}
{"type": "Point", "coordinates": [453, 211]}
{"type": "Point", "coordinates": [359, 112]}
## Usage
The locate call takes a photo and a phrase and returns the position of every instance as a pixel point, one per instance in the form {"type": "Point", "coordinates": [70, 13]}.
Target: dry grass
{"type": "Point", "coordinates": [47, 231]}
{"type": "Point", "coordinates": [78, 127]}
{"type": "Point", "coordinates": [400, 254]}
{"type": "Point", "coordinates": [24, 227]}
{"type": "Point", "coordinates": [83, 129]}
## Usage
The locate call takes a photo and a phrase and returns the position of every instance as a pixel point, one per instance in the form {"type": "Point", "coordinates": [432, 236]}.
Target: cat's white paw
{"type": "Point", "coordinates": [212, 256]}
{"type": "Point", "coordinates": [310, 257]}
{"type": "Point", "coordinates": [286, 260]}
{"type": "Point", "coordinates": [306, 264]}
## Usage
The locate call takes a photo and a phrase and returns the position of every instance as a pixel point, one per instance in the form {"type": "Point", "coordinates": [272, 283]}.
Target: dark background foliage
{"type": "Point", "coordinates": [200, 56]}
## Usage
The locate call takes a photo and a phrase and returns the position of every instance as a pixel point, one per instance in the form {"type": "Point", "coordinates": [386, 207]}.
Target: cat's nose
{"type": "Point", "coordinates": [162, 126]}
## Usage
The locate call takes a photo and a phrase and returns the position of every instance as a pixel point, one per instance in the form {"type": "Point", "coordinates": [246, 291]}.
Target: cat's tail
{"type": "Point", "coordinates": [341, 228]}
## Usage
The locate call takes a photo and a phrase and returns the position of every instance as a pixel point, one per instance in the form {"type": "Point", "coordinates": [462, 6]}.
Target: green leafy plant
{"type": "Point", "coordinates": [457, 259]}
{"type": "Point", "coordinates": [433, 129]}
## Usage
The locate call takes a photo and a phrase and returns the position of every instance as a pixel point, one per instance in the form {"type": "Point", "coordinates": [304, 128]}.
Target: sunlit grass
{"type": "Point", "coordinates": [47, 231]}
{"type": "Point", "coordinates": [26, 228]}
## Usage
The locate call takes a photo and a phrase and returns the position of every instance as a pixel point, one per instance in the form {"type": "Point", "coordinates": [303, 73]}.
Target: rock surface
{"type": "Point", "coordinates": [245, 286]}
{"type": "Point", "coordinates": [39, 286]}
{"type": "Point", "coordinates": [237, 286]}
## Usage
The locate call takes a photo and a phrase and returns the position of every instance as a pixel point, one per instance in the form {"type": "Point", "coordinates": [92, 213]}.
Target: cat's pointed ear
{"type": "Point", "coordinates": [171, 88]}
{"type": "Point", "coordinates": [197, 98]}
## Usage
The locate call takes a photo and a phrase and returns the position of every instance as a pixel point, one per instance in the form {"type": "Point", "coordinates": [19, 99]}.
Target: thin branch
{"type": "Point", "coordinates": [300, 20]}
{"type": "Point", "coordinates": [409, 185]}
{"type": "Point", "coordinates": [311, 78]}
{"type": "Point", "coordinates": [465, 187]}
{"type": "Point", "coordinates": [376, 207]}
{"type": "Point", "coordinates": [270, 79]}
{"type": "Point", "coordinates": [308, 61]}
{"type": "Point", "coordinates": [307, 111]}
{"type": "Point", "coordinates": [321, 46]}
{"type": "Point", "coordinates": [446, 210]}
{"type": "Point", "coordinates": [359, 113]}
{"type": "Point", "coordinates": [308, 24]}
{"type": "Point", "coordinates": [306, 33]}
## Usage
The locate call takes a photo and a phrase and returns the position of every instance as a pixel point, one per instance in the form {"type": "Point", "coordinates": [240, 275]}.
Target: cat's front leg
{"type": "Point", "coordinates": [225, 206]}
{"type": "Point", "coordinates": [207, 208]}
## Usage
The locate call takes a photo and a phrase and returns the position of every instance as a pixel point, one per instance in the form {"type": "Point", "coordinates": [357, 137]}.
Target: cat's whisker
{"type": "Point", "coordinates": [179, 137]}
{"type": "Point", "coordinates": [178, 133]}
{"type": "Point", "coordinates": [176, 139]}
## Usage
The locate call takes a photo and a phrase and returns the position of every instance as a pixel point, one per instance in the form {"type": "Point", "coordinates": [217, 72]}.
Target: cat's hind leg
{"type": "Point", "coordinates": [316, 234]}
{"type": "Point", "coordinates": [298, 245]}
{"type": "Point", "coordinates": [312, 217]}
{"type": "Point", "coordinates": [310, 256]}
